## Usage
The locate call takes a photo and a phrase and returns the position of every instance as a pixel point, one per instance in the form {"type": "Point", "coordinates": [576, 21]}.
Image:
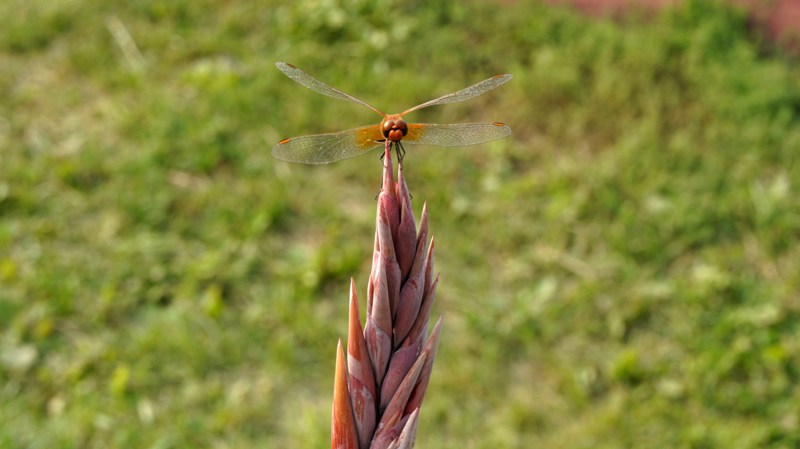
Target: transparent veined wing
{"type": "Point", "coordinates": [318, 86]}
{"type": "Point", "coordinates": [466, 93]}
{"type": "Point", "coordinates": [455, 135]}
{"type": "Point", "coordinates": [327, 148]}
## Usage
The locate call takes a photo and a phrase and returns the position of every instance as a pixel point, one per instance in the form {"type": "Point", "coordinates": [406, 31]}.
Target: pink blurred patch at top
{"type": "Point", "coordinates": [779, 20]}
{"type": "Point", "coordinates": [615, 7]}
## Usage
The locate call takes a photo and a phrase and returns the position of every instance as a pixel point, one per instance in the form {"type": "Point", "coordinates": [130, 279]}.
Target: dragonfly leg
{"type": "Point", "coordinates": [401, 154]}
{"type": "Point", "coordinates": [400, 151]}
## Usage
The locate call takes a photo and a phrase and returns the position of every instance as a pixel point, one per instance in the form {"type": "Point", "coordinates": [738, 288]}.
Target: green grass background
{"type": "Point", "coordinates": [624, 271]}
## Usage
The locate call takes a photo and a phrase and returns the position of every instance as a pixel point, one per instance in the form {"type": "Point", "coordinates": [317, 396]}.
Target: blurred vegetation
{"type": "Point", "coordinates": [623, 272]}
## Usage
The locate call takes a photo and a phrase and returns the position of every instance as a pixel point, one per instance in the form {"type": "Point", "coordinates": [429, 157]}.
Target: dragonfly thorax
{"type": "Point", "coordinates": [394, 128]}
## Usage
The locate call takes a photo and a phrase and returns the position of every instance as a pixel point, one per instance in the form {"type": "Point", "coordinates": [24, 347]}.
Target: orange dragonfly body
{"type": "Point", "coordinates": [332, 147]}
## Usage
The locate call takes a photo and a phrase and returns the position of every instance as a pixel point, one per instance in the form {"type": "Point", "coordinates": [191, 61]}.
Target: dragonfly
{"type": "Point", "coordinates": [392, 129]}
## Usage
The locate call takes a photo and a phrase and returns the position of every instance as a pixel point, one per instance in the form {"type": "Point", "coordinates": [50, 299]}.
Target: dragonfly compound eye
{"type": "Point", "coordinates": [395, 129]}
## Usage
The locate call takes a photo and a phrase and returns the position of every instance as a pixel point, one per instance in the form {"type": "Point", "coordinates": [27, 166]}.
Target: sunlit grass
{"type": "Point", "coordinates": [622, 272]}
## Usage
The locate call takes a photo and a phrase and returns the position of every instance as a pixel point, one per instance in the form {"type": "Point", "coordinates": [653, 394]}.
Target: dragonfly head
{"type": "Point", "coordinates": [394, 128]}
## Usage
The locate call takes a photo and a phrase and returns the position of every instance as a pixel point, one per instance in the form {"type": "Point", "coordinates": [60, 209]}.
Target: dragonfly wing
{"type": "Point", "coordinates": [327, 148]}
{"type": "Point", "coordinates": [466, 93]}
{"type": "Point", "coordinates": [318, 86]}
{"type": "Point", "coordinates": [455, 135]}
